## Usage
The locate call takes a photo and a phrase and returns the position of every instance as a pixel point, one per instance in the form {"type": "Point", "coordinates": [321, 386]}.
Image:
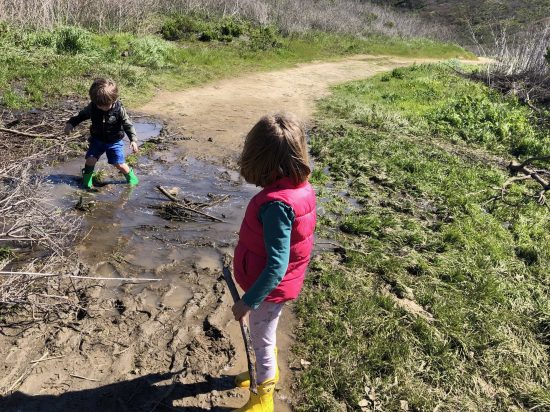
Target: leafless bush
{"type": "Point", "coordinates": [350, 16]}
{"type": "Point", "coordinates": [26, 216]}
{"type": "Point", "coordinates": [35, 235]}
{"type": "Point", "coordinates": [38, 295]}
{"type": "Point", "coordinates": [518, 64]}
{"type": "Point", "coordinates": [332, 16]}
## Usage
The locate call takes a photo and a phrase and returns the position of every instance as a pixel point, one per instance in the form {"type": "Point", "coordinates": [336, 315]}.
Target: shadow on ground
{"type": "Point", "coordinates": [140, 394]}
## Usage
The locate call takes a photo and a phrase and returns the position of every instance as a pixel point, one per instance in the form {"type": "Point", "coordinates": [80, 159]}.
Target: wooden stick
{"type": "Point", "coordinates": [43, 136]}
{"type": "Point", "coordinates": [45, 359]}
{"type": "Point", "coordinates": [180, 203]}
{"type": "Point", "coordinates": [2, 273]}
{"type": "Point", "coordinates": [25, 373]}
{"type": "Point", "coordinates": [83, 377]}
{"type": "Point", "coordinates": [245, 331]}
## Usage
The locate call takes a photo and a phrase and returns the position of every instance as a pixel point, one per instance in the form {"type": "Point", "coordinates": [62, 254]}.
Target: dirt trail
{"type": "Point", "coordinates": [225, 110]}
{"type": "Point", "coordinates": [169, 345]}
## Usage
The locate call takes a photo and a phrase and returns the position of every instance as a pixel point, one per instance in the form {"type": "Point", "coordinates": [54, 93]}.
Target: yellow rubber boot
{"type": "Point", "coordinates": [263, 401]}
{"type": "Point", "coordinates": [242, 380]}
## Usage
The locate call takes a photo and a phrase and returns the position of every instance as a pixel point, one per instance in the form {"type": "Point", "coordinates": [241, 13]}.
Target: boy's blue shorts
{"type": "Point", "coordinates": [115, 151]}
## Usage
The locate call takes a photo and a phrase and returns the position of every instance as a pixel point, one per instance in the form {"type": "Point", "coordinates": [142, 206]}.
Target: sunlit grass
{"type": "Point", "coordinates": [439, 296]}
{"type": "Point", "coordinates": [37, 67]}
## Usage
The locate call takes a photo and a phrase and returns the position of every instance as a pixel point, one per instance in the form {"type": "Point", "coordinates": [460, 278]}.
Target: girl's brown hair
{"type": "Point", "coordinates": [275, 147]}
{"type": "Point", "coordinates": [103, 92]}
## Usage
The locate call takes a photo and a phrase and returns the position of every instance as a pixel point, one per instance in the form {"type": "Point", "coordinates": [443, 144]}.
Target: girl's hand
{"type": "Point", "coordinates": [68, 128]}
{"type": "Point", "coordinates": [240, 309]}
{"type": "Point", "coordinates": [134, 146]}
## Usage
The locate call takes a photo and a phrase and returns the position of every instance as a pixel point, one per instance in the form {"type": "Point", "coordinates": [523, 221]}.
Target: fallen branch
{"type": "Point", "coordinates": [46, 359]}
{"type": "Point", "coordinates": [36, 274]}
{"type": "Point", "coordinates": [190, 209]}
{"type": "Point", "coordinates": [527, 173]}
{"type": "Point", "coordinates": [533, 159]}
{"type": "Point", "coordinates": [40, 136]}
{"type": "Point", "coordinates": [83, 377]}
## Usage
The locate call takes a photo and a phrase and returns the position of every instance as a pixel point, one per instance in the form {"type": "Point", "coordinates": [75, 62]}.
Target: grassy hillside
{"type": "Point", "coordinates": [437, 299]}
{"type": "Point", "coordinates": [40, 65]}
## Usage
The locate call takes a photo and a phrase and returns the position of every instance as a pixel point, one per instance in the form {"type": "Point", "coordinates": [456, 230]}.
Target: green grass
{"type": "Point", "coordinates": [440, 295]}
{"type": "Point", "coordinates": [39, 67]}
{"type": "Point", "coordinates": [6, 253]}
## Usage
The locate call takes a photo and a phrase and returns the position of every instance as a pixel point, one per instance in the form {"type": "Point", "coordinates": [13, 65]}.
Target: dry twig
{"type": "Point", "coordinates": [523, 171]}
{"type": "Point", "coordinates": [187, 207]}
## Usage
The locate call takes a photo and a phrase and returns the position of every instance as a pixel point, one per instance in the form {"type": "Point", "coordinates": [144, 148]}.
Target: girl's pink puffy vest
{"type": "Point", "coordinates": [250, 255]}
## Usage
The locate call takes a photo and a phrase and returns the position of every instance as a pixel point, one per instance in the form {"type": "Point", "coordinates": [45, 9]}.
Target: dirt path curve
{"type": "Point", "coordinates": [225, 110]}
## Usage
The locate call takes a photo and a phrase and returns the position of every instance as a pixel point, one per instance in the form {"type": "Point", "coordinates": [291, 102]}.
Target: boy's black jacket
{"type": "Point", "coordinates": [108, 127]}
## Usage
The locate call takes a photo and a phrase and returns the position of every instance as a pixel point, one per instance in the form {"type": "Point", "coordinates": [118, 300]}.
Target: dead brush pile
{"type": "Point", "coordinates": [35, 236]}
{"type": "Point", "coordinates": [520, 65]}
{"type": "Point", "coordinates": [186, 210]}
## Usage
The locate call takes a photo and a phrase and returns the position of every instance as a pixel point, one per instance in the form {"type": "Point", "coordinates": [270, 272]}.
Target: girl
{"type": "Point", "coordinates": [275, 240]}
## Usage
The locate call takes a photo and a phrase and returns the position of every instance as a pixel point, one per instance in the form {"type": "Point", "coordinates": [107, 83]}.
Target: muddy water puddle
{"type": "Point", "coordinates": [126, 237]}
{"type": "Point", "coordinates": [122, 223]}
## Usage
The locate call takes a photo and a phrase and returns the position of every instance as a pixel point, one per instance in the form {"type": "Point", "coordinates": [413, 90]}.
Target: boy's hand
{"type": "Point", "coordinates": [68, 128]}
{"type": "Point", "coordinates": [240, 309]}
{"type": "Point", "coordinates": [134, 146]}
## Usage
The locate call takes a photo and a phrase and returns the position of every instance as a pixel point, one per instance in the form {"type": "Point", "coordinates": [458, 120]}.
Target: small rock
{"type": "Point", "coordinates": [372, 395]}
{"type": "Point", "coordinates": [404, 405]}
{"type": "Point", "coordinates": [210, 139]}
{"type": "Point", "coordinates": [304, 363]}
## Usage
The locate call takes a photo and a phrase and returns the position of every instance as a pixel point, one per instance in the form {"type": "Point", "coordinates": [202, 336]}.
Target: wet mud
{"type": "Point", "coordinates": [139, 346]}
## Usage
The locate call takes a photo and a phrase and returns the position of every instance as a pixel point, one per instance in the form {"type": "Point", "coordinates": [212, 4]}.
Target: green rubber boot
{"type": "Point", "coordinates": [87, 179]}
{"type": "Point", "coordinates": [131, 178]}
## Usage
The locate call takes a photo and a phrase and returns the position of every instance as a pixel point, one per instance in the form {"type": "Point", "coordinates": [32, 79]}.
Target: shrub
{"type": "Point", "coordinates": [264, 38]}
{"type": "Point", "coordinates": [150, 51]}
{"type": "Point", "coordinates": [207, 34]}
{"type": "Point", "coordinates": [180, 27]}
{"type": "Point", "coordinates": [399, 73]}
{"type": "Point", "coordinates": [6, 253]}
{"type": "Point", "coordinates": [72, 40]}
{"type": "Point", "coordinates": [232, 27]}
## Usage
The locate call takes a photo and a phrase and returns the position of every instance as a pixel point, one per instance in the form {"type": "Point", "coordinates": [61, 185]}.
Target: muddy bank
{"type": "Point", "coordinates": [134, 345]}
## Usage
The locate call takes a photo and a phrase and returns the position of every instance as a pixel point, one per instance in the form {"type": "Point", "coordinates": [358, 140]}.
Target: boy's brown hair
{"type": "Point", "coordinates": [275, 147]}
{"type": "Point", "coordinates": [103, 92]}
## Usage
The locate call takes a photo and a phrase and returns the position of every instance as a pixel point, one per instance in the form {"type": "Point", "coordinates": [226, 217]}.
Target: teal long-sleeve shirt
{"type": "Point", "coordinates": [277, 219]}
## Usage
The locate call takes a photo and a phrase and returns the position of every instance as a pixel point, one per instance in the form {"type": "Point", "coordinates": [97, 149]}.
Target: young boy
{"type": "Point", "coordinates": [110, 122]}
